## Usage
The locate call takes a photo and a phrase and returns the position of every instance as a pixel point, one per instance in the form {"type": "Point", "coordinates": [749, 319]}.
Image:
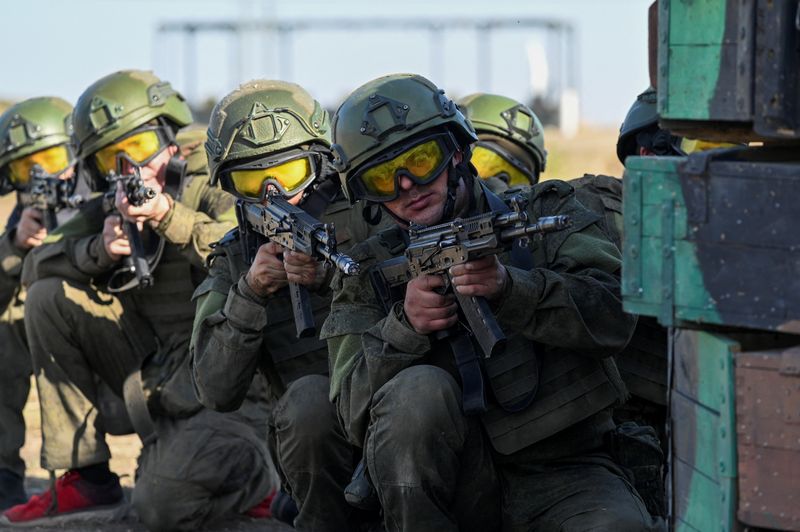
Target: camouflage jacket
{"type": "Point", "coordinates": [11, 258]}
{"type": "Point", "coordinates": [568, 305]}
{"type": "Point", "coordinates": [201, 216]}
{"type": "Point", "coordinates": [236, 331]}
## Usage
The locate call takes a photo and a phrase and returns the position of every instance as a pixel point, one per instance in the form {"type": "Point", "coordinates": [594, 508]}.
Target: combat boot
{"type": "Point", "coordinates": [12, 490]}
{"type": "Point", "coordinates": [70, 498]}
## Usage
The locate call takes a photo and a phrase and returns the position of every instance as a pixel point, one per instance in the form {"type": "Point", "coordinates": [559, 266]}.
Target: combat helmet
{"type": "Point", "coordinates": [40, 128]}
{"type": "Point", "coordinates": [643, 114]}
{"type": "Point", "coordinates": [119, 104]}
{"type": "Point", "coordinates": [263, 125]}
{"type": "Point", "coordinates": [387, 113]}
{"type": "Point", "coordinates": [495, 116]}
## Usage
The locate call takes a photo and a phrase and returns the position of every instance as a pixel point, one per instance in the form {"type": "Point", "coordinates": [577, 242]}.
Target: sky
{"type": "Point", "coordinates": [57, 47]}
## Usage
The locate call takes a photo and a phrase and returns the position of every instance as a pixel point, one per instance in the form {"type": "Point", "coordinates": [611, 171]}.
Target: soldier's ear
{"type": "Point", "coordinates": [458, 156]}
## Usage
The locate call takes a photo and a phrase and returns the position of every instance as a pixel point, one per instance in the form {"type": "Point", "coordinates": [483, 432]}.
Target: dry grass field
{"type": "Point", "coordinates": [591, 151]}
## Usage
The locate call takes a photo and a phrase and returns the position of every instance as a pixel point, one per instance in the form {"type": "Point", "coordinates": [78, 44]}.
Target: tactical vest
{"type": "Point", "coordinates": [571, 387]}
{"type": "Point", "coordinates": [643, 363]}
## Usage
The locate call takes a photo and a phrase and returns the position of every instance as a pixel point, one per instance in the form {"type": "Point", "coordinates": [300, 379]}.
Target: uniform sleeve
{"type": "Point", "coordinates": [10, 267]}
{"type": "Point", "coordinates": [73, 251]}
{"type": "Point", "coordinates": [200, 218]}
{"type": "Point", "coordinates": [227, 338]}
{"type": "Point", "coordinates": [572, 301]}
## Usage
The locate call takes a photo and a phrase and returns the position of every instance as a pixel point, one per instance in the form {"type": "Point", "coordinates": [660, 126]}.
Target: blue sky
{"type": "Point", "coordinates": [60, 47]}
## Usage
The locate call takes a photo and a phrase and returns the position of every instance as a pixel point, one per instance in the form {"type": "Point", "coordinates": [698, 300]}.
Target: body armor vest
{"type": "Point", "coordinates": [286, 358]}
{"type": "Point", "coordinates": [571, 387]}
{"type": "Point", "coordinates": [643, 363]}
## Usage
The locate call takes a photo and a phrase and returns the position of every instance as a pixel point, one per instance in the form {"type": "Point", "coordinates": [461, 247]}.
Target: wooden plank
{"type": "Point", "coordinates": [768, 430]}
{"type": "Point", "coordinates": [701, 503]}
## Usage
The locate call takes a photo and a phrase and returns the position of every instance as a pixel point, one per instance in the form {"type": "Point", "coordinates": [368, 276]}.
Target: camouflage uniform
{"type": "Point", "coordinates": [542, 439]}
{"type": "Point", "coordinates": [238, 332]}
{"type": "Point", "coordinates": [28, 131]}
{"type": "Point", "coordinates": [202, 464]}
{"type": "Point", "coordinates": [14, 357]}
{"type": "Point", "coordinates": [512, 131]}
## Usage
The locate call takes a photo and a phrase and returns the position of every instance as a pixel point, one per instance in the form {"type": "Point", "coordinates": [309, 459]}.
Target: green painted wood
{"type": "Point", "coordinates": [691, 36]}
{"type": "Point", "coordinates": [699, 22]}
{"type": "Point", "coordinates": [703, 504]}
{"type": "Point", "coordinates": [657, 273]}
{"type": "Point", "coordinates": [704, 435]}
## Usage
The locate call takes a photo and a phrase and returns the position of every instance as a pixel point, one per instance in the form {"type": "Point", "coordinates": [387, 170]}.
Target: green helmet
{"type": "Point", "coordinates": [121, 102]}
{"type": "Point", "coordinates": [263, 117]}
{"type": "Point", "coordinates": [389, 111]}
{"type": "Point", "coordinates": [504, 117]}
{"type": "Point", "coordinates": [642, 115]}
{"type": "Point", "coordinates": [31, 126]}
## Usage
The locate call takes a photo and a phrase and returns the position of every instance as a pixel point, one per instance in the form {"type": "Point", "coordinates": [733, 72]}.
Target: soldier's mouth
{"type": "Point", "coordinates": [418, 203]}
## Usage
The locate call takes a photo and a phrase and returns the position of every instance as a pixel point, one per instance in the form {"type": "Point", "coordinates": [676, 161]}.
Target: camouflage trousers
{"type": "Point", "coordinates": [199, 468]}
{"type": "Point", "coordinates": [313, 457]}
{"type": "Point", "coordinates": [431, 465]}
{"type": "Point", "coordinates": [574, 494]}
{"type": "Point", "coordinates": [15, 378]}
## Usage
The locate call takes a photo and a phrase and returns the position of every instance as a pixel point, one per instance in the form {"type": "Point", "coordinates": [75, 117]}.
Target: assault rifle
{"type": "Point", "coordinates": [138, 194]}
{"type": "Point", "coordinates": [435, 249]}
{"type": "Point", "coordinates": [293, 228]}
{"type": "Point", "coordinates": [49, 195]}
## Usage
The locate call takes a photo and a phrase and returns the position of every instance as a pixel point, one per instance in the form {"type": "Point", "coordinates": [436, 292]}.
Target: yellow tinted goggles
{"type": "Point", "coordinates": [52, 160]}
{"type": "Point", "coordinates": [491, 163]}
{"type": "Point", "coordinates": [289, 177]}
{"type": "Point", "coordinates": [694, 145]}
{"type": "Point", "coordinates": [139, 148]}
{"type": "Point", "coordinates": [422, 163]}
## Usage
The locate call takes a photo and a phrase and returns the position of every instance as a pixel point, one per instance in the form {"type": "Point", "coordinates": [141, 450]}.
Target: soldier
{"type": "Point", "coordinates": [400, 142]}
{"type": "Point", "coordinates": [244, 318]}
{"type": "Point", "coordinates": [196, 464]}
{"type": "Point", "coordinates": [510, 149]}
{"type": "Point", "coordinates": [33, 133]}
{"type": "Point", "coordinates": [503, 124]}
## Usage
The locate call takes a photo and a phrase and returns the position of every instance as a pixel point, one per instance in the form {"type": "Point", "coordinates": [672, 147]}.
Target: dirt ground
{"type": "Point", "coordinates": [591, 151]}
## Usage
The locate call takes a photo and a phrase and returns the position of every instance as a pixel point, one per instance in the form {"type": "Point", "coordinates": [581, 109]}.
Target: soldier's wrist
{"type": "Point", "coordinates": [247, 291]}
{"type": "Point", "coordinates": [164, 206]}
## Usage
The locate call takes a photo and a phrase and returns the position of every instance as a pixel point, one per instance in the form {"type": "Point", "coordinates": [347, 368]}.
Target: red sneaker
{"type": "Point", "coordinates": [262, 509]}
{"type": "Point", "coordinates": [76, 499]}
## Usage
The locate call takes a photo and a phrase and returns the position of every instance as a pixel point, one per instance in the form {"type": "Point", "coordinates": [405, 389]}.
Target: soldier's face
{"type": "Point", "coordinates": [422, 204]}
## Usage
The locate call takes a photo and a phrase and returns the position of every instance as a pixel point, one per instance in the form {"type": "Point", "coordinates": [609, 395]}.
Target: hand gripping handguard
{"type": "Point", "coordinates": [293, 228]}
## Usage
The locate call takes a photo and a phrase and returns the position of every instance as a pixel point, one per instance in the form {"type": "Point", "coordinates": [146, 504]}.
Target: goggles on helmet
{"type": "Point", "coordinates": [140, 147]}
{"type": "Point", "coordinates": [492, 161]}
{"type": "Point", "coordinates": [52, 161]}
{"type": "Point", "coordinates": [422, 161]}
{"type": "Point", "coordinates": [289, 174]}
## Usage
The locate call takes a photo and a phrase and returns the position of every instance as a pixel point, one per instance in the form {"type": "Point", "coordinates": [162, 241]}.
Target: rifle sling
{"type": "Point", "coordinates": [520, 257]}
{"type": "Point", "coordinates": [473, 393]}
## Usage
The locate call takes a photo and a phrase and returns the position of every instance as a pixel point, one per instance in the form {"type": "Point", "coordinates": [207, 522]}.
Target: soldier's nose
{"type": "Point", "coordinates": [405, 182]}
